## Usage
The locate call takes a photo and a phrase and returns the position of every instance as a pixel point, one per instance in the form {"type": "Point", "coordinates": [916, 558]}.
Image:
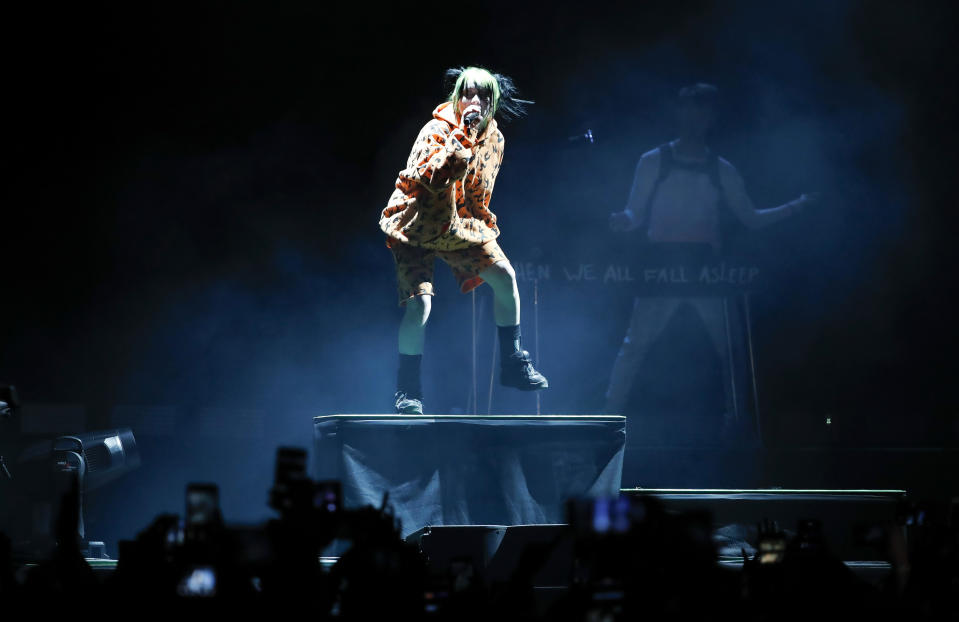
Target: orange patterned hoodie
{"type": "Point", "coordinates": [441, 200]}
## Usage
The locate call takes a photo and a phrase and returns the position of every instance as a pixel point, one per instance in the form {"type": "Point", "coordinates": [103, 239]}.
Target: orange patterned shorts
{"type": "Point", "coordinates": [414, 267]}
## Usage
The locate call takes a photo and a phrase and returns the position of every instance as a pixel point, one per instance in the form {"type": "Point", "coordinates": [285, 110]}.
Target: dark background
{"type": "Point", "coordinates": [190, 241]}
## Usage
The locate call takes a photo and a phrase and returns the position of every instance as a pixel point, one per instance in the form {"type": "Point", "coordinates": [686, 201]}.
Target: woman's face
{"type": "Point", "coordinates": [476, 99]}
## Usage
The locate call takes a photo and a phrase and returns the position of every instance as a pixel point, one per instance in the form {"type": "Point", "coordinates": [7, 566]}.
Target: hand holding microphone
{"type": "Point", "coordinates": [471, 117]}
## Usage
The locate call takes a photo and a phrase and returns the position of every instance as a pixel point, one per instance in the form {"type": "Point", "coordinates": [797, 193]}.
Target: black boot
{"type": "Point", "coordinates": [517, 371]}
{"type": "Point", "coordinates": [407, 404]}
{"type": "Point", "coordinates": [408, 399]}
{"type": "Point", "coordinates": [516, 368]}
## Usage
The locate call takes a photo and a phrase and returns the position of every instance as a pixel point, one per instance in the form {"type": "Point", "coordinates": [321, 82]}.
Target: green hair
{"type": "Point", "coordinates": [501, 89]}
{"type": "Point", "coordinates": [483, 80]}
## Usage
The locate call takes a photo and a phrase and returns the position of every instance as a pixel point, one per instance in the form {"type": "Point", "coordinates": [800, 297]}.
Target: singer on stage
{"type": "Point", "coordinates": [440, 208]}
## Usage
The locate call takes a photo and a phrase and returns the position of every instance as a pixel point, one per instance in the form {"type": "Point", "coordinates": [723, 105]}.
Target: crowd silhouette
{"type": "Point", "coordinates": [644, 562]}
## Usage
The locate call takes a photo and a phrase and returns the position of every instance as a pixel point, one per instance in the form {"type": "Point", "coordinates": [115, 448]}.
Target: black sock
{"type": "Point", "coordinates": [408, 376]}
{"type": "Point", "coordinates": [508, 341]}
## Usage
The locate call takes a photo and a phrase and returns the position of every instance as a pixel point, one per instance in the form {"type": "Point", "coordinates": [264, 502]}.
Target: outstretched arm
{"type": "Point", "coordinates": [439, 157]}
{"type": "Point", "coordinates": [644, 181]}
{"type": "Point", "coordinates": [734, 191]}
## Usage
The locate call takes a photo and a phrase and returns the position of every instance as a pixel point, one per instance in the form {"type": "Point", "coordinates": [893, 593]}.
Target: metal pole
{"type": "Point", "coordinates": [732, 362]}
{"type": "Point", "coordinates": [752, 364]}
{"type": "Point", "coordinates": [492, 367]}
{"type": "Point", "coordinates": [536, 332]}
{"type": "Point", "coordinates": [473, 386]}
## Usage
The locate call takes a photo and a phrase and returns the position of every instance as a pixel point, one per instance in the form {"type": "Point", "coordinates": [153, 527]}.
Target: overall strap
{"type": "Point", "coordinates": [666, 162]}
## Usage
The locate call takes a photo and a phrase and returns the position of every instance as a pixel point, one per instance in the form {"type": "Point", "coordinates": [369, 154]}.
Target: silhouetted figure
{"type": "Point", "coordinates": [66, 574]}
{"type": "Point", "coordinates": [680, 195]}
{"type": "Point", "coordinates": [806, 581]}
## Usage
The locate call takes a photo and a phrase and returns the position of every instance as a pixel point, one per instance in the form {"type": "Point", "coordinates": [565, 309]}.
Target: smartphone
{"type": "Point", "coordinates": [202, 504]}
{"type": "Point", "coordinates": [290, 465]}
{"type": "Point", "coordinates": [199, 581]}
{"type": "Point", "coordinates": [328, 496]}
{"type": "Point", "coordinates": [603, 515]}
{"type": "Point", "coordinates": [772, 548]}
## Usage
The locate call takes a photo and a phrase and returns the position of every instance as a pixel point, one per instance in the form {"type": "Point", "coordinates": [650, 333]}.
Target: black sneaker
{"type": "Point", "coordinates": [407, 404]}
{"type": "Point", "coordinates": [518, 372]}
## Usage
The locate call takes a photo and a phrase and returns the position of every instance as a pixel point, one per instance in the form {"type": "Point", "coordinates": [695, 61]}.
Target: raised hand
{"type": "Point", "coordinates": [805, 200]}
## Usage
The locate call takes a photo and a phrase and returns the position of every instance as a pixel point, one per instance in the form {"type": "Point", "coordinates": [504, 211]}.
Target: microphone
{"type": "Point", "coordinates": [587, 137]}
{"type": "Point", "coordinates": [471, 118]}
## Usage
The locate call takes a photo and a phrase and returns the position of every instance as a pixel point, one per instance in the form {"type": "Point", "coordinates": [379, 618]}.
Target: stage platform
{"type": "Point", "coordinates": [470, 470]}
{"type": "Point", "coordinates": [792, 467]}
{"type": "Point", "coordinates": [496, 549]}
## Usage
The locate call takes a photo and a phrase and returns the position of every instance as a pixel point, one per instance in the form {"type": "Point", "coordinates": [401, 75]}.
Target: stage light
{"type": "Point", "coordinates": [9, 402]}
{"type": "Point", "coordinates": [106, 454]}
{"type": "Point", "coordinates": [91, 460]}
{"type": "Point", "coordinates": [9, 405]}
